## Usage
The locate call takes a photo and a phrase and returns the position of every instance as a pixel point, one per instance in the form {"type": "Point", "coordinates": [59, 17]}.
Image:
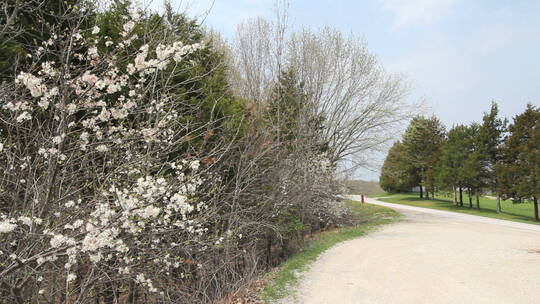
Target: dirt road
{"type": "Point", "coordinates": [430, 257]}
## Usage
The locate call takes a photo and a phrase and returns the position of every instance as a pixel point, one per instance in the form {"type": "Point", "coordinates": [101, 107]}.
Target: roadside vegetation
{"type": "Point", "coordinates": [145, 159]}
{"type": "Point", "coordinates": [494, 157]}
{"type": "Point", "coordinates": [366, 217]}
{"type": "Point", "coordinates": [518, 212]}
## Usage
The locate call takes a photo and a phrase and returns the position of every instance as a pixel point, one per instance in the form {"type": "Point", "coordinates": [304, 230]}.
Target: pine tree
{"type": "Point", "coordinates": [423, 141]}
{"type": "Point", "coordinates": [293, 117]}
{"type": "Point", "coordinates": [286, 105]}
{"type": "Point", "coordinates": [454, 155]}
{"type": "Point", "coordinates": [395, 176]}
{"type": "Point", "coordinates": [470, 172]}
{"type": "Point", "coordinates": [519, 173]}
{"type": "Point", "coordinates": [489, 142]}
{"type": "Point", "coordinates": [470, 176]}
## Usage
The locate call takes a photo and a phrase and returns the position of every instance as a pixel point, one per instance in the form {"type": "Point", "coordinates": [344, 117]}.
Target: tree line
{"type": "Point", "coordinates": [492, 157]}
{"type": "Point", "coordinates": [145, 159]}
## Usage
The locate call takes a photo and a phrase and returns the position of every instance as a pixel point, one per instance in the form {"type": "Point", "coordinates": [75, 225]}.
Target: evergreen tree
{"type": "Point", "coordinates": [206, 99]}
{"type": "Point", "coordinates": [519, 173]}
{"type": "Point", "coordinates": [28, 24]}
{"type": "Point", "coordinates": [395, 176]}
{"type": "Point", "coordinates": [489, 142]}
{"type": "Point", "coordinates": [423, 141]}
{"type": "Point", "coordinates": [287, 102]}
{"type": "Point", "coordinates": [454, 155]}
{"type": "Point", "coordinates": [291, 116]}
{"type": "Point", "coordinates": [470, 172]}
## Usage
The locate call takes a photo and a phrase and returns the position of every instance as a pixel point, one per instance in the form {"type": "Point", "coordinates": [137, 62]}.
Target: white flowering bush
{"type": "Point", "coordinates": [318, 192]}
{"type": "Point", "coordinates": [95, 190]}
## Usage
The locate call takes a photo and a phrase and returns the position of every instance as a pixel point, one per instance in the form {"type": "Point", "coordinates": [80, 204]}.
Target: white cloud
{"type": "Point", "coordinates": [418, 12]}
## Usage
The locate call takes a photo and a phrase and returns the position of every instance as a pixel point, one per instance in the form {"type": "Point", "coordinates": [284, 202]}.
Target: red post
{"type": "Point", "coordinates": [363, 201]}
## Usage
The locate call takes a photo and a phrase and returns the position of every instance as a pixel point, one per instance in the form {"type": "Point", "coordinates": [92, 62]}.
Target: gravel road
{"type": "Point", "coordinates": [430, 256]}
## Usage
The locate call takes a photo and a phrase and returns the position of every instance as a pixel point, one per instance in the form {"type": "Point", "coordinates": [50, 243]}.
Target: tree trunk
{"type": "Point", "coordinates": [535, 201]}
{"type": "Point", "coordinates": [455, 195]}
{"type": "Point", "coordinates": [469, 192]}
{"type": "Point", "coordinates": [461, 196]}
{"type": "Point", "coordinates": [499, 204]}
{"type": "Point", "coordinates": [477, 201]}
{"type": "Point", "coordinates": [421, 192]}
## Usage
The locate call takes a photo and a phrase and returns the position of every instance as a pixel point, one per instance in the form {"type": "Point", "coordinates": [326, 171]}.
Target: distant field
{"type": "Point", "coordinates": [514, 212]}
{"type": "Point", "coordinates": [363, 187]}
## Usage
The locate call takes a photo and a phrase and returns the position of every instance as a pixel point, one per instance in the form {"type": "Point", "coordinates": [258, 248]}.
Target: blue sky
{"type": "Point", "coordinates": [458, 55]}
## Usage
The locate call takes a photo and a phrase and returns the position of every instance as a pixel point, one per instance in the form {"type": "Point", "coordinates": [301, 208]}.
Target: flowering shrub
{"type": "Point", "coordinates": [94, 186]}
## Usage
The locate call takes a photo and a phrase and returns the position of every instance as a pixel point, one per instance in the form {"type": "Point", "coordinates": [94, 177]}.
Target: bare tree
{"type": "Point", "coordinates": [259, 50]}
{"type": "Point", "coordinates": [361, 103]}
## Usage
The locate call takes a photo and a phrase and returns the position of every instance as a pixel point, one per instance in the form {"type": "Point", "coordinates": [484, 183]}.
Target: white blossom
{"type": "Point", "coordinates": [194, 165]}
{"type": "Point", "coordinates": [25, 220]}
{"type": "Point", "coordinates": [32, 83]}
{"type": "Point", "coordinates": [59, 240]}
{"type": "Point", "coordinates": [150, 211]}
{"type": "Point", "coordinates": [7, 226]}
{"type": "Point", "coordinates": [71, 277]}
{"type": "Point", "coordinates": [102, 148]}
{"type": "Point", "coordinates": [128, 27]}
{"type": "Point", "coordinates": [24, 116]}
{"type": "Point", "coordinates": [133, 12]}
{"type": "Point", "coordinates": [92, 52]}
{"type": "Point", "coordinates": [58, 139]}
{"type": "Point", "coordinates": [47, 68]}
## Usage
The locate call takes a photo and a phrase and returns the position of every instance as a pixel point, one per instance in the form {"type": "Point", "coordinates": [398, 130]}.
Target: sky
{"type": "Point", "coordinates": [458, 55]}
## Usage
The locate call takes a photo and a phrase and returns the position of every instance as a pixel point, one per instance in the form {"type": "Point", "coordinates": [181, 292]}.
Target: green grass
{"type": "Point", "coordinates": [522, 212]}
{"type": "Point", "coordinates": [281, 284]}
{"type": "Point", "coordinates": [383, 194]}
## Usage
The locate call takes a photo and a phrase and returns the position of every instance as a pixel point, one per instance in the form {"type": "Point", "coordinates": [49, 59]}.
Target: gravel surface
{"type": "Point", "coordinates": [431, 256]}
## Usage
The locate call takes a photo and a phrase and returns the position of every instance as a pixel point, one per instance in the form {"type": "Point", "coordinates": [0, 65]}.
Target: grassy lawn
{"type": "Point", "coordinates": [514, 212]}
{"type": "Point", "coordinates": [384, 194]}
{"type": "Point", "coordinates": [281, 284]}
